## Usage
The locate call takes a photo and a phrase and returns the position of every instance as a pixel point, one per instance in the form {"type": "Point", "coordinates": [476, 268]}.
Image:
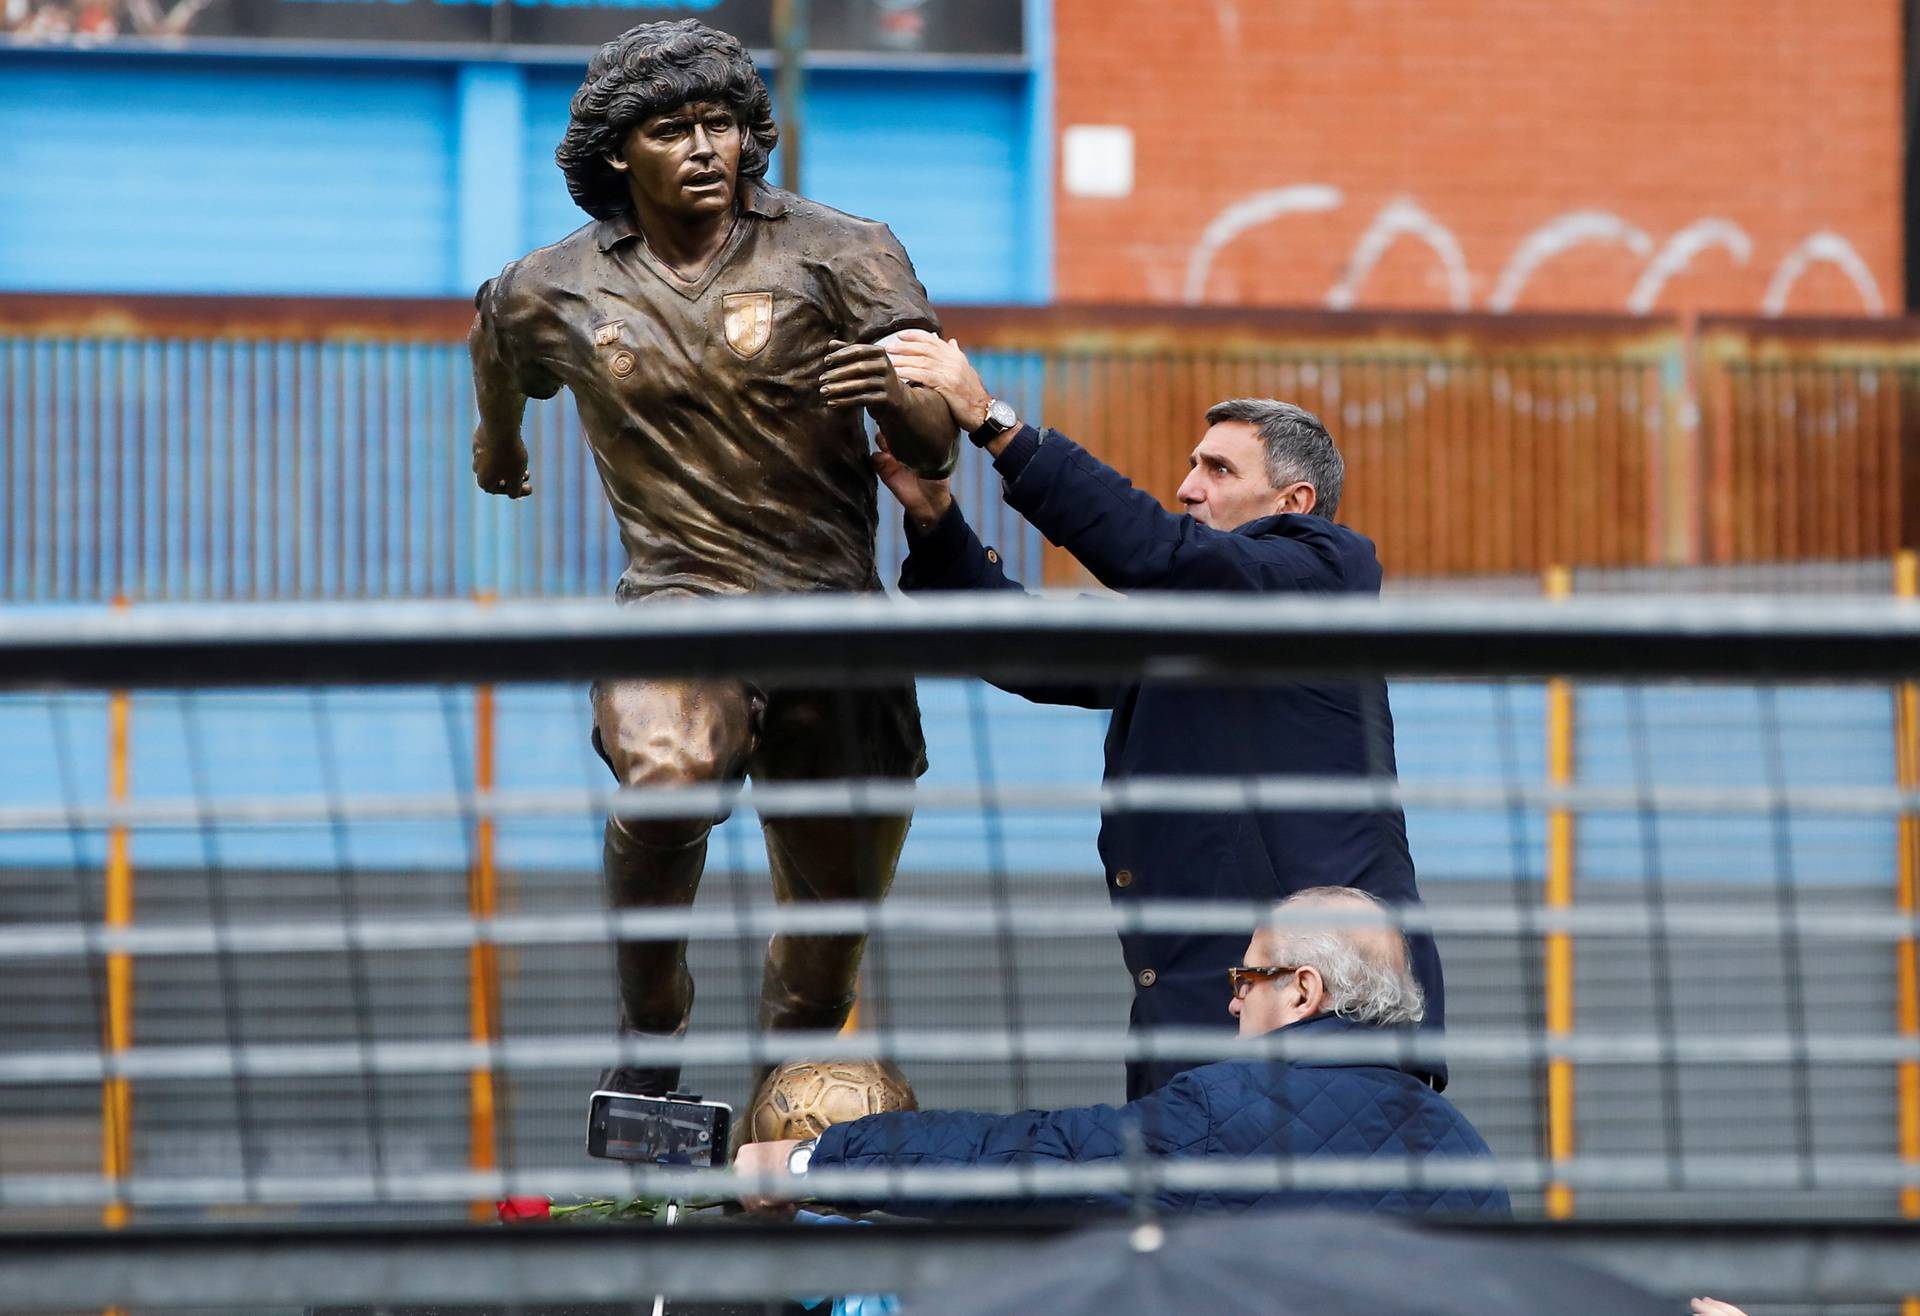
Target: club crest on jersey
{"type": "Point", "coordinates": [747, 318]}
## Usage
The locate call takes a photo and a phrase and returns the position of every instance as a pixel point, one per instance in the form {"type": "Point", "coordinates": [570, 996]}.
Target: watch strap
{"type": "Point", "coordinates": [1000, 419]}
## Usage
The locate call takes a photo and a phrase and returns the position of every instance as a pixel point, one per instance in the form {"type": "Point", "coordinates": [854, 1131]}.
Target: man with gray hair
{"type": "Point", "coordinates": [1259, 499]}
{"type": "Point", "coordinates": [1310, 977]}
{"type": "Point", "coordinates": [1358, 971]}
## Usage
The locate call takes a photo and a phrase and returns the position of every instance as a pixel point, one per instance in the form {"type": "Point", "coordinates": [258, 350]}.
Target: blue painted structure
{"type": "Point", "coordinates": [384, 177]}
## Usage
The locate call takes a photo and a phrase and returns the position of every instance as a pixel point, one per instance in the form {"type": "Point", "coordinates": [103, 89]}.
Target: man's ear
{"type": "Point", "coordinates": [1298, 498]}
{"type": "Point", "coordinates": [1312, 988]}
{"type": "Point", "coordinates": [614, 162]}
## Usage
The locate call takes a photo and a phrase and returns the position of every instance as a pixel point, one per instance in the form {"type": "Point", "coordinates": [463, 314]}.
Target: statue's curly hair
{"type": "Point", "coordinates": [649, 70]}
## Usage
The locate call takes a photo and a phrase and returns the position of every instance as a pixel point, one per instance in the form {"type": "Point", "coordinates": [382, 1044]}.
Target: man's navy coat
{"type": "Point", "coordinates": [1230, 1111]}
{"type": "Point", "coordinates": [1131, 543]}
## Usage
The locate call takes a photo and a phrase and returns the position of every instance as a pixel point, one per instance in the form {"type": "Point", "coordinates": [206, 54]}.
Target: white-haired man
{"type": "Point", "coordinates": [1311, 979]}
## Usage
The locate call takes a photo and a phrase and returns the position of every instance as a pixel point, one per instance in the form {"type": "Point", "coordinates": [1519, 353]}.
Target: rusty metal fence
{"type": "Point", "coordinates": [1810, 438]}
{"type": "Point", "coordinates": [211, 449]}
{"type": "Point", "coordinates": [1474, 444]}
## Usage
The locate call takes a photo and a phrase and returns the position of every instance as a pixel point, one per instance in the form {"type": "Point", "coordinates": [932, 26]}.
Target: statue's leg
{"type": "Point", "coordinates": [809, 981]}
{"type": "Point", "coordinates": [662, 733]}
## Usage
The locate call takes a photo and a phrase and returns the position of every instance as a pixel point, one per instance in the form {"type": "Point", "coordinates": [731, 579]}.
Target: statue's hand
{"type": "Point", "coordinates": [501, 468]}
{"type": "Point", "coordinates": [860, 375]}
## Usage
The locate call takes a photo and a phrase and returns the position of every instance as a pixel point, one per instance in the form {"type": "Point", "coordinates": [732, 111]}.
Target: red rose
{"type": "Point", "coordinates": [515, 1209]}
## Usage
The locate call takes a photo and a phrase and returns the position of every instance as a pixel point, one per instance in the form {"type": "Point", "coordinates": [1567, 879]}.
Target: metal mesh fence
{"type": "Point", "coordinates": [1674, 897]}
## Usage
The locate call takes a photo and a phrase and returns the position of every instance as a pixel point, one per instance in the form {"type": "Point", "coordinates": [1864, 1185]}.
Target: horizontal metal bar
{"type": "Point", "coordinates": [1029, 916]}
{"type": "Point", "coordinates": [875, 638]}
{"type": "Point", "coordinates": [977, 1046]}
{"type": "Point", "coordinates": [1609, 1173]}
{"type": "Point", "coordinates": [244, 1266]}
{"type": "Point", "coordinates": [872, 796]}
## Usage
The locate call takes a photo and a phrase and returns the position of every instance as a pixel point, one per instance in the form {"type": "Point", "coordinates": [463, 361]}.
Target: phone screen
{"type": "Point", "coordinates": [658, 1131]}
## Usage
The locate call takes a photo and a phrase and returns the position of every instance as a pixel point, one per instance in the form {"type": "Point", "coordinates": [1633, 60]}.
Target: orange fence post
{"type": "Point", "coordinates": [483, 964]}
{"type": "Point", "coordinates": [1559, 945]}
{"type": "Point", "coordinates": [1906, 584]}
{"type": "Point", "coordinates": [116, 1092]}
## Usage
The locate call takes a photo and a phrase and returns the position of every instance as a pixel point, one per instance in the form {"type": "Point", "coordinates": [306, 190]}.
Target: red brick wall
{"type": "Point", "coordinates": [1505, 122]}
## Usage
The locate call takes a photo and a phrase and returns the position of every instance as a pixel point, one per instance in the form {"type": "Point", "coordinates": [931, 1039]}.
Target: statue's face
{"type": "Point", "coordinates": [684, 163]}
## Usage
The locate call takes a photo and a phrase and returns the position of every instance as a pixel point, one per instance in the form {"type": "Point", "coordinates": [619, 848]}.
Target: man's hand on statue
{"type": "Point", "coordinates": [924, 501]}
{"type": "Point", "coordinates": [931, 362]}
{"type": "Point", "coordinates": [770, 1159]}
{"type": "Point", "coordinates": [502, 468]}
{"type": "Point", "coordinates": [860, 375]}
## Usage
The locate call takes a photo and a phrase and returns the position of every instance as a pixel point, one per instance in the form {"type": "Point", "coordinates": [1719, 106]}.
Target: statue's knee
{"type": "Point", "coordinates": [659, 763]}
{"type": "Point", "coordinates": [654, 756]}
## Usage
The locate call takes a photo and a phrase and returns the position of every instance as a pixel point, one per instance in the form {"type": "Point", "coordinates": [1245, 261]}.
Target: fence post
{"type": "Point", "coordinates": [483, 964]}
{"type": "Point", "coordinates": [116, 1091]}
{"type": "Point", "coordinates": [1906, 722]}
{"type": "Point", "coordinates": [1680, 469]}
{"type": "Point", "coordinates": [1559, 945]}
{"type": "Point", "coordinates": [1719, 500]}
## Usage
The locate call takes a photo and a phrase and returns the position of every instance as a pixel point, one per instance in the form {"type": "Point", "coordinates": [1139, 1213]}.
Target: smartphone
{"type": "Point", "coordinates": [658, 1130]}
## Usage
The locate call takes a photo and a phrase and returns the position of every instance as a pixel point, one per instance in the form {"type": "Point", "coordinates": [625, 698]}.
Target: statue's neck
{"type": "Point", "coordinates": [687, 246]}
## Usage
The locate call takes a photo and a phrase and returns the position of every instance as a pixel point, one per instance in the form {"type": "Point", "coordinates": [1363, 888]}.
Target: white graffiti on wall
{"type": "Point", "coordinates": [1405, 217]}
{"type": "Point", "coordinates": [1573, 229]}
{"type": "Point", "coordinates": [1227, 14]}
{"type": "Point", "coordinates": [1250, 213]}
{"type": "Point", "coordinates": [1679, 252]}
{"type": "Point", "coordinates": [1833, 249]}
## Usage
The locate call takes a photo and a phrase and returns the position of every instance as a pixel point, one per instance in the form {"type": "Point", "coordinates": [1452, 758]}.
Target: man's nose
{"type": "Point", "coordinates": [1233, 1006]}
{"type": "Point", "coordinates": [702, 143]}
{"type": "Point", "coordinates": [1190, 492]}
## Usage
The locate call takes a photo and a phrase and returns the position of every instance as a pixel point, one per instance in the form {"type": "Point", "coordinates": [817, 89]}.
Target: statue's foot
{"type": "Point", "coordinates": [640, 1082]}
{"type": "Point", "coordinates": [643, 1080]}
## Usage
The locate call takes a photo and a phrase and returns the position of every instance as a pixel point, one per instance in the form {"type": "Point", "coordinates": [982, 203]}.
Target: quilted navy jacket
{"type": "Point", "coordinates": [1130, 542]}
{"type": "Point", "coordinates": [1231, 1110]}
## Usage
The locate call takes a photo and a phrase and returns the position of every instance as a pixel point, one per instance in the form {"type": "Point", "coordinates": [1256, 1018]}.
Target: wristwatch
{"type": "Point", "coordinates": [800, 1157]}
{"type": "Point", "coordinates": [1000, 419]}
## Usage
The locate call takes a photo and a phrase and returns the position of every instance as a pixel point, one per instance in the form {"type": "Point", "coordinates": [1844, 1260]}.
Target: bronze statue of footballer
{"type": "Point", "coordinates": [721, 338]}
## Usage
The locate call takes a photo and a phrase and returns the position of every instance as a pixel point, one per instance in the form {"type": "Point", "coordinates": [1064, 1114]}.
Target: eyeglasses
{"type": "Point", "coordinates": [1243, 976]}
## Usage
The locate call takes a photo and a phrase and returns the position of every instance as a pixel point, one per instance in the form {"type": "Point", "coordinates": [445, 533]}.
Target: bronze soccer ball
{"type": "Point", "coordinates": [802, 1098]}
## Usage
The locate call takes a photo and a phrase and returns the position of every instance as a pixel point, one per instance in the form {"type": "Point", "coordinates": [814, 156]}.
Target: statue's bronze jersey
{"type": "Point", "coordinates": [726, 470]}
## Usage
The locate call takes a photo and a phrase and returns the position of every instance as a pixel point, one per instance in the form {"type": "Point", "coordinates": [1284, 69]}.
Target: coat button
{"type": "Point", "coordinates": [992, 556]}
{"type": "Point", "coordinates": [1123, 878]}
{"type": "Point", "coordinates": [1146, 977]}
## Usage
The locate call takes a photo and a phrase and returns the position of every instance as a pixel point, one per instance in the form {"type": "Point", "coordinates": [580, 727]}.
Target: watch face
{"type": "Point", "coordinates": [1001, 414]}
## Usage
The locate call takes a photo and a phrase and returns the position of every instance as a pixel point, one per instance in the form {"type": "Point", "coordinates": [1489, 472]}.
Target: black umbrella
{"type": "Point", "coordinates": [1293, 1265]}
